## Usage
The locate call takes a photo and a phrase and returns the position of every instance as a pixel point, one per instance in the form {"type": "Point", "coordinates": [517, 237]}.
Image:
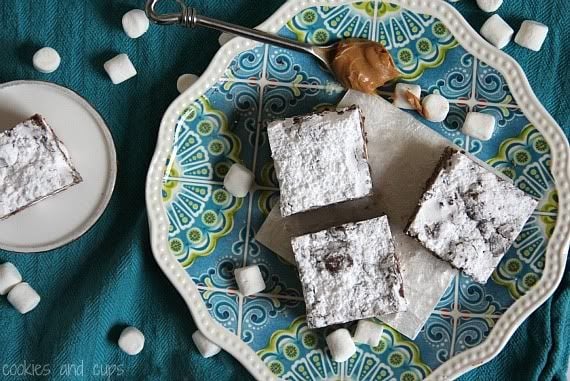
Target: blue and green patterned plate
{"type": "Point", "coordinates": [200, 233]}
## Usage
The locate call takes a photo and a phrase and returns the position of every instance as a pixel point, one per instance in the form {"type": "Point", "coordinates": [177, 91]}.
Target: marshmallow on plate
{"type": "Point", "coordinates": [131, 341]}
{"type": "Point", "coordinates": [185, 81]}
{"type": "Point", "coordinates": [368, 332]}
{"type": "Point", "coordinates": [531, 35]}
{"type": "Point", "coordinates": [135, 23]}
{"type": "Point", "coordinates": [120, 68]}
{"type": "Point", "coordinates": [497, 31]}
{"type": "Point", "coordinates": [479, 125]}
{"type": "Point", "coordinates": [341, 345]}
{"type": "Point", "coordinates": [400, 95]}
{"type": "Point", "coordinates": [489, 5]}
{"type": "Point", "coordinates": [46, 60]}
{"type": "Point", "coordinates": [225, 38]}
{"type": "Point", "coordinates": [23, 297]}
{"type": "Point", "coordinates": [238, 180]}
{"type": "Point", "coordinates": [205, 347]}
{"type": "Point", "coordinates": [435, 108]}
{"type": "Point", "coordinates": [9, 277]}
{"type": "Point", "coordinates": [249, 280]}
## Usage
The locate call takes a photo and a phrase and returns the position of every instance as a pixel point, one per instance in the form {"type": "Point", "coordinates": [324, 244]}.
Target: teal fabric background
{"type": "Point", "coordinates": [108, 279]}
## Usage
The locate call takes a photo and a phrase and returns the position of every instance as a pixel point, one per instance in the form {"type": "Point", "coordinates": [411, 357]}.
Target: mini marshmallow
{"type": "Point", "coordinates": [400, 98]}
{"type": "Point", "coordinates": [368, 332]}
{"type": "Point", "coordinates": [497, 31]}
{"type": "Point", "coordinates": [135, 23]}
{"type": "Point", "coordinates": [479, 125]}
{"type": "Point", "coordinates": [238, 180]}
{"type": "Point", "coordinates": [131, 341]}
{"type": "Point", "coordinates": [435, 108]}
{"type": "Point", "coordinates": [46, 60]}
{"type": "Point", "coordinates": [531, 35]}
{"type": "Point", "coordinates": [23, 297]}
{"type": "Point", "coordinates": [120, 68]}
{"type": "Point", "coordinates": [489, 5]}
{"type": "Point", "coordinates": [341, 345]}
{"type": "Point", "coordinates": [9, 277]}
{"type": "Point", "coordinates": [225, 38]}
{"type": "Point", "coordinates": [185, 81]}
{"type": "Point", "coordinates": [205, 347]}
{"type": "Point", "coordinates": [249, 280]}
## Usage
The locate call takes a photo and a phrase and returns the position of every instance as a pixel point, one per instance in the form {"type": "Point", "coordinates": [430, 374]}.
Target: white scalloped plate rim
{"type": "Point", "coordinates": [470, 40]}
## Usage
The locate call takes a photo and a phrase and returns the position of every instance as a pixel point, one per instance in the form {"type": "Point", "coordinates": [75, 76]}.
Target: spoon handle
{"type": "Point", "coordinates": [189, 18]}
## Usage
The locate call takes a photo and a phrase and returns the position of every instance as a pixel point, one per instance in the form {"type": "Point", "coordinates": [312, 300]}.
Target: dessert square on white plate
{"type": "Point", "coordinates": [34, 164]}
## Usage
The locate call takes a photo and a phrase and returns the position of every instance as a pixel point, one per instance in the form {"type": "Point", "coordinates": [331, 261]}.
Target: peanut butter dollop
{"type": "Point", "coordinates": [363, 65]}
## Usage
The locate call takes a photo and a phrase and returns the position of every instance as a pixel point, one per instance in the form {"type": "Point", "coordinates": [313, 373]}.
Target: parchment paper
{"type": "Point", "coordinates": [402, 153]}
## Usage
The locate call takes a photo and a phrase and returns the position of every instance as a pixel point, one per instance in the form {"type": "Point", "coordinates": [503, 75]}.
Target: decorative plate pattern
{"type": "Point", "coordinates": [200, 233]}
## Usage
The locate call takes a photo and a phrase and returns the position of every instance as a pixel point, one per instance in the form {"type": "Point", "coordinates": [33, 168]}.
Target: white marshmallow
{"type": "Point", "coordinates": [400, 97]}
{"type": "Point", "coordinates": [489, 5]}
{"type": "Point", "coordinates": [238, 180]}
{"type": "Point", "coordinates": [23, 297]}
{"type": "Point", "coordinates": [185, 81]}
{"type": "Point", "coordinates": [205, 347]}
{"type": "Point", "coordinates": [341, 345]}
{"type": "Point", "coordinates": [531, 35]}
{"type": "Point", "coordinates": [225, 38]}
{"type": "Point", "coordinates": [497, 31]}
{"type": "Point", "coordinates": [135, 23]}
{"type": "Point", "coordinates": [9, 277]}
{"type": "Point", "coordinates": [368, 332]}
{"type": "Point", "coordinates": [435, 107]}
{"type": "Point", "coordinates": [120, 68]}
{"type": "Point", "coordinates": [131, 341]}
{"type": "Point", "coordinates": [479, 125]}
{"type": "Point", "coordinates": [249, 280]}
{"type": "Point", "coordinates": [46, 60]}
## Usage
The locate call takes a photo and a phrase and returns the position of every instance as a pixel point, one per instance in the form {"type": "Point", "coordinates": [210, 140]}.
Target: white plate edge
{"type": "Point", "coordinates": [112, 155]}
{"type": "Point", "coordinates": [471, 41]}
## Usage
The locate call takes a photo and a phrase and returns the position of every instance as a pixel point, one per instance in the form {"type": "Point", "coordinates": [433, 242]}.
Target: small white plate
{"type": "Point", "coordinates": [66, 216]}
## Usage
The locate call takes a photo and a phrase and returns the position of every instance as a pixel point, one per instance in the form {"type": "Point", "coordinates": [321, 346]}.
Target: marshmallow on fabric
{"type": "Point", "coordinates": [249, 280]}
{"type": "Point", "coordinates": [135, 23]}
{"type": "Point", "coordinates": [531, 35]}
{"type": "Point", "coordinates": [489, 5]}
{"type": "Point", "coordinates": [341, 345]}
{"type": "Point", "coordinates": [479, 125]}
{"type": "Point", "coordinates": [497, 31]}
{"type": "Point", "coordinates": [131, 341]}
{"type": "Point", "coordinates": [205, 347]}
{"type": "Point", "coordinates": [368, 332]}
{"type": "Point", "coordinates": [238, 180]}
{"type": "Point", "coordinates": [23, 297]}
{"type": "Point", "coordinates": [120, 68]}
{"type": "Point", "coordinates": [9, 277]}
{"type": "Point", "coordinates": [185, 81]}
{"type": "Point", "coordinates": [435, 108]}
{"type": "Point", "coordinates": [46, 60]}
{"type": "Point", "coordinates": [400, 95]}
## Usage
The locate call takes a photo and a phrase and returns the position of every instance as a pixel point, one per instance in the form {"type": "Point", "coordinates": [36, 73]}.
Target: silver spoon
{"type": "Point", "coordinates": [189, 18]}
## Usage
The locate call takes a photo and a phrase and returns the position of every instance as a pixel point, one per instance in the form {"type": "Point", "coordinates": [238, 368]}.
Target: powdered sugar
{"type": "Point", "coordinates": [349, 272]}
{"type": "Point", "coordinates": [33, 165]}
{"type": "Point", "coordinates": [469, 216]}
{"type": "Point", "coordinates": [320, 159]}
